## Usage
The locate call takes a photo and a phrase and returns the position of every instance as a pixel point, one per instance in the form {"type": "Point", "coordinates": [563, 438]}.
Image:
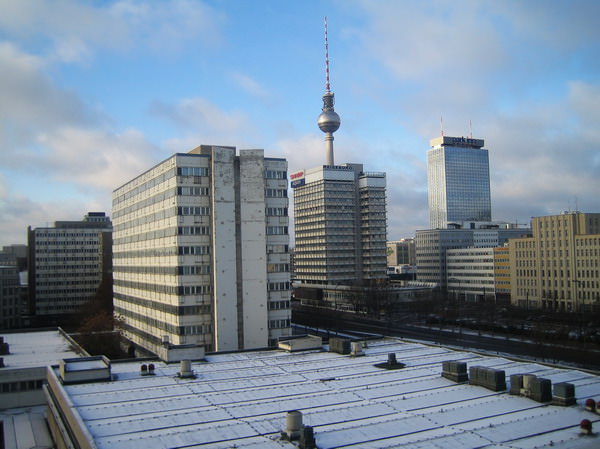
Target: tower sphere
{"type": "Point", "coordinates": [329, 121]}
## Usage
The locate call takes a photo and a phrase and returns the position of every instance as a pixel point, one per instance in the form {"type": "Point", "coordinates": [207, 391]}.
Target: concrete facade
{"type": "Point", "coordinates": [65, 266]}
{"type": "Point", "coordinates": [340, 225]}
{"type": "Point", "coordinates": [201, 251]}
{"type": "Point", "coordinates": [558, 266]}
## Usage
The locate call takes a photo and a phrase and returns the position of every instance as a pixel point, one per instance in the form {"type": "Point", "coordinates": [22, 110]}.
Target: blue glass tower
{"type": "Point", "coordinates": [458, 177]}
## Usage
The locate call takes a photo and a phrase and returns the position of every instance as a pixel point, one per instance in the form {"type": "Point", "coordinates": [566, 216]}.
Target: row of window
{"type": "Point", "coordinates": [178, 290]}
{"type": "Point", "coordinates": [158, 270]}
{"type": "Point", "coordinates": [279, 305]}
{"type": "Point", "coordinates": [24, 385]}
{"type": "Point", "coordinates": [276, 211]}
{"type": "Point", "coordinates": [278, 286]}
{"type": "Point", "coordinates": [192, 191]}
{"type": "Point", "coordinates": [276, 193]}
{"type": "Point", "coordinates": [193, 210]}
{"type": "Point", "coordinates": [278, 267]}
{"type": "Point", "coordinates": [163, 307]}
{"type": "Point", "coordinates": [277, 230]}
{"type": "Point", "coordinates": [193, 230]}
{"type": "Point", "coordinates": [279, 324]}
{"type": "Point", "coordinates": [275, 174]}
{"type": "Point", "coordinates": [158, 324]}
{"type": "Point", "coordinates": [192, 171]}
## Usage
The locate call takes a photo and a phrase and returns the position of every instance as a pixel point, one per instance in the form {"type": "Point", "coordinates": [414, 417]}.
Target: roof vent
{"type": "Point", "coordinates": [295, 430]}
{"type": "Point", "coordinates": [564, 394]}
{"type": "Point", "coordinates": [356, 349]}
{"type": "Point", "coordinates": [590, 405]}
{"type": "Point", "coordinates": [531, 386]}
{"type": "Point", "coordinates": [391, 363]}
{"type": "Point", "coordinates": [586, 427]}
{"type": "Point", "coordinates": [147, 370]}
{"type": "Point", "coordinates": [185, 370]}
{"type": "Point", "coordinates": [490, 378]}
{"type": "Point", "coordinates": [339, 345]}
{"type": "Point", "coordinates": [455, 371]}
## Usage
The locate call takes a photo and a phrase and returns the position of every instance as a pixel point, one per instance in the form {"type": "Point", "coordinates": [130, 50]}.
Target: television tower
{"type": "Point", "coordinates": [329, 121]}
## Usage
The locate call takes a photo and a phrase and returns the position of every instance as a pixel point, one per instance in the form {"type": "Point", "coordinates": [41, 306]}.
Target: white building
{"type": "Point", "coordinates": [201, 251]}
{"type": "Point", "coordinates": [432, 245]}
{"type": "Point", "coordinates": [66, 266]}
{"type": "Point", "coordinates": [340, 225]}
{"type": "Point", "coordinates": [470, 273]}
{"type": "Point", "coordinates": [458, 178]}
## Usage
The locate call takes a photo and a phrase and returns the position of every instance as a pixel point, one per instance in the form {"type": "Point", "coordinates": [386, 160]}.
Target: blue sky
{"type": "Point", "coordinates": [94, 93]}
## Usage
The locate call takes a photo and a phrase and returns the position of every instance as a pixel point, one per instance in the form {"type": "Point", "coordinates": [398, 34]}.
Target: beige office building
{"type": "Point", "coordinates": [558, 267]}
{"type": "Point", "coordinates": [201, 251]}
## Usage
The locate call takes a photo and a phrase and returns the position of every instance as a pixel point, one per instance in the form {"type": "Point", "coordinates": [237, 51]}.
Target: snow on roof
{"type": "Point", "coordinates": [241, 399]}
{"type": "Point", "coordinates": [36, 349]}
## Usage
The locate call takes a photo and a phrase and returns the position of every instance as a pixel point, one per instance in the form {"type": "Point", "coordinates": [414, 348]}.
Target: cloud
{"type": "Point", "coordinates": [29, 98]}
{"type": "Point", "coordinates": [18, 211]}
{"type": "Point", "coordinates": [201, 121]}
{"type": "Point", "coordinates": [95, 159]}
{"type": "Point", "coordinates": [77, 29]}
{"type": "Point", "coordinates": [249, 85]}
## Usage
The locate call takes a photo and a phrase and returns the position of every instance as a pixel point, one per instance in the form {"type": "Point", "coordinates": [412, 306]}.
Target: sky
{"type": "Point", "coordinates": [94, 93]}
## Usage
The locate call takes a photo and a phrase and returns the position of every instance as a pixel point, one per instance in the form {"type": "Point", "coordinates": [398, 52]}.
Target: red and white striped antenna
{"type": "Point", "coordinates": [326, 59]}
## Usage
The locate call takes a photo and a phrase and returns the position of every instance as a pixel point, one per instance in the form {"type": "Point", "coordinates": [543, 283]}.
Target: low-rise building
{"type": "Point", "coordinates": [23, 362]}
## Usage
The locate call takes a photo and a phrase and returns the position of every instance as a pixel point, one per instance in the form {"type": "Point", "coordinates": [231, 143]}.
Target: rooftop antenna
{"type": "Point", "coordinates": [442, 125]}
{"type": "Point", "coordinates": [470, 129]}
{"type": "Point", "coordinates": [329, 121]}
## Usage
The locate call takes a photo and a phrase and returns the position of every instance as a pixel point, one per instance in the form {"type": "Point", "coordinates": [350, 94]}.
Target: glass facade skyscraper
{"type": "Point", "coordinates": [458, 175]}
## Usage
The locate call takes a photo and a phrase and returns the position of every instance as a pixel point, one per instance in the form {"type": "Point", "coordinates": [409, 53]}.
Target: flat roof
{"type": "Point", "coordinates": [241, 399]}
{"type": "Point", "coordinates": [36, 349]}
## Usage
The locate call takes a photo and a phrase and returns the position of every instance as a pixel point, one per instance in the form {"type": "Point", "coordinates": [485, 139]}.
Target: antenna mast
{"type": "Point", "coordinates": [470, 129]}
{"type": "Point", "coordinates": [327, 88]}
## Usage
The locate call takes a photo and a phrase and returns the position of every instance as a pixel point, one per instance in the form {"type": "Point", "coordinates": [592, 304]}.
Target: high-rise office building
{"type": "Point", "coordinates": [66, 267]}
{"type": "Point", "coordinates": [339, 215]}
{"type": "Point", "coordinates": [458, 178]}
{"type": "Point", "coordinates": [340, 225]}
{"type": "Point", "coordinates": [201, 251]}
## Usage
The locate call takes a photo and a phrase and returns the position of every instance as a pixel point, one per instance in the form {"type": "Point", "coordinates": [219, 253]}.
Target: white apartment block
{"type": "Point", "coordinates": [340, 225]}
{"type": "Point", "coordinates": [66, 266]}
{"type": "Point", "coordinates": [201, 253]}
